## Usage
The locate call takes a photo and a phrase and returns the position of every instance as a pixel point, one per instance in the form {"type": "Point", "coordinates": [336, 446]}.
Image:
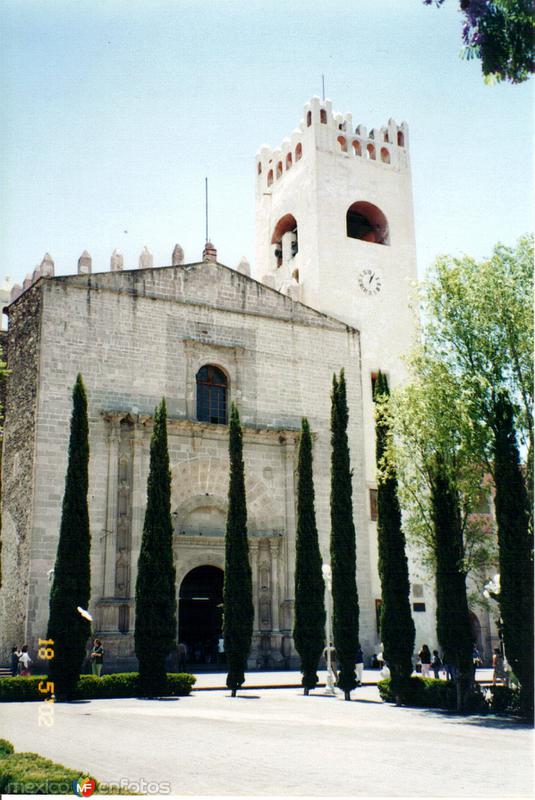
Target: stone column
{"type": "Point", "coordinates": [110, 533]}
{"type": "Point", "coordinates": [253, 546]}
{"type": "Point", "coordinates": [287, 460]}
{"type": "Point", "coordinates": [274, 551]}
{"type": "Point", "coordinates": [139, 497]}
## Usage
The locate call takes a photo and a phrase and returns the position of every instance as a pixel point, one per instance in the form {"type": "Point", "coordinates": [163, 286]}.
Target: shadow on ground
{"type": "Point", "coordinates": [486, 721]}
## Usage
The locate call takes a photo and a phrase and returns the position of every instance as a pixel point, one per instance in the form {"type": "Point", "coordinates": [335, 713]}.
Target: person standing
{"type": "Point", "coordinates": [359, 664]}
{"type": "Point", "coordinates": [182, 653]}
{"type": "Point", "coordinates": [436, 664]}
{"type": "Point", "coordinates": [25, 661]}
{"type": "Point", "coordinates": [425, 660]}
{"type": "Point", "coordinates": [498, 666]}
{"type": "Point", "coordinates": [97, 657]}
{"type": "Point", "coordinates": [15, 656]}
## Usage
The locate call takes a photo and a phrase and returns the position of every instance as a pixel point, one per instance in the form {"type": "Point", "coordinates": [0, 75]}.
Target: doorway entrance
{"type": "Point", "coordinates": [200, 613]}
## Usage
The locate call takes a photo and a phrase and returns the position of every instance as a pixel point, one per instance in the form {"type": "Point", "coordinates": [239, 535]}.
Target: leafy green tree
{"type": "Point", "coordinates": [441, 480]}
{"type": "Point", "coordinates": [71, 586]}
{"type": "Point", "coordinates": [500, 33]}
{"type": "Point", "coordinates": [516, 551]}
{"type": "Point", "coordinates": [309, 622]}
{"type": "Point", "coordinates": [397, 626]}
{"type": "Point", "coordinates": [481, 330]}
{"type": "Point", "coordinates": [238, 611]}
{"type": "Point", "coordinates": [155, 631]}
{"type": "Point", "coordinates": [343, 545]}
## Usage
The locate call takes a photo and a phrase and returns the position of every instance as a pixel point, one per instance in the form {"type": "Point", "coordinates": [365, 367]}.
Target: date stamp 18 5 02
{"type": "Point", "coordinates": [46, 709]}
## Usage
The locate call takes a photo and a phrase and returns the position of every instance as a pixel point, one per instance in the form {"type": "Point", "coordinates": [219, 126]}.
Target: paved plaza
{"type": "Point", "coordinates": [278, 742]}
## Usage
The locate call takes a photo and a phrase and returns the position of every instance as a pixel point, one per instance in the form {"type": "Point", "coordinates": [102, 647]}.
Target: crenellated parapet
{"type": "Point", "coordinates": [46, 268]}
{"type": "Point", "coordinates": [323, 129]}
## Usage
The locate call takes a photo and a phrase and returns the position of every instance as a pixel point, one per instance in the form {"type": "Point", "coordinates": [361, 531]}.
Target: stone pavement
{"type": "Point", "coordinates": [278, 742]}
{"type": "Point", "coordinates": [216, 680]}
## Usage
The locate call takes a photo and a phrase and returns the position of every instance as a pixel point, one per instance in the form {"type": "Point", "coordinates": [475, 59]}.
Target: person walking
{"type": "Point", "coordinates": [25, 661]}
{"type": "Point", "coordinates": [15, 656]}
{"type": "Point", "coordinates": [97, 657]}
{"type": "Point", "coordinates": [359, 664]}
{"type": "Point", "coordinates": [425, 660]}
{"type": "Point", "coordinates": [436, 664]}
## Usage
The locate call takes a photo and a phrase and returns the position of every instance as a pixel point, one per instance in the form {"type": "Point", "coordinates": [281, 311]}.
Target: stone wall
{"type": "Point", "coordinates": [23, 358]}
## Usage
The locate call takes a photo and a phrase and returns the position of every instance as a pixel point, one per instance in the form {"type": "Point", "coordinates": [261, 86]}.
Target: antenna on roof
{"type": "Point", "coordinates": [323, 87]}
{"type": "Point", "coordinates": [206, 206]}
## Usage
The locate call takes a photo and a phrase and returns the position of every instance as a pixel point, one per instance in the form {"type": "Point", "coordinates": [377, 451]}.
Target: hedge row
{"type": "Point", "coordinates": [432, 693]}
{"type": "Point", "coordinates": [90, 687]}
{"type": "Point", "coordinates": [29, 773]}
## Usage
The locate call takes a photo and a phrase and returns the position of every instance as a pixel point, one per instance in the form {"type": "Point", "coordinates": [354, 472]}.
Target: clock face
{"type": "Point", "coordinates": [370, 281]}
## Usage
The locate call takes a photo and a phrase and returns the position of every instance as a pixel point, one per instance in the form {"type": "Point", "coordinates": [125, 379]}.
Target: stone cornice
{"type": "Point", "coordinates": [284, 435]}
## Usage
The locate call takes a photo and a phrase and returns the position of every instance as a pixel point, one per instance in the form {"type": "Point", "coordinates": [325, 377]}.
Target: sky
{"type": "Point", "coordinates": [114, 111]}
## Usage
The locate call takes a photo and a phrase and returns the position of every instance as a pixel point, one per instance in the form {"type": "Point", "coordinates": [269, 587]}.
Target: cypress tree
{"type": "Point", "coordinates": [454, 630]}
{"type": "Point", "coordinates": [238, 611]}
{"type": "Point", "coordinates": [397, 626]}
{"type": "Point", "coordinates": [515, 542]}
{"type": "Point", "coordinates": [155, 632]}
{"type": "Point", "coordinates": [309, 621]}
{"type": "Point", "coordinates": [343, 546]}
{"type": "Point", "coordinates": [71, 587]}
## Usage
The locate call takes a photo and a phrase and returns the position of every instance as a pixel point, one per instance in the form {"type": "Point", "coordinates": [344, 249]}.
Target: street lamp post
{"type": "Point", "coordinates": [327, 576]}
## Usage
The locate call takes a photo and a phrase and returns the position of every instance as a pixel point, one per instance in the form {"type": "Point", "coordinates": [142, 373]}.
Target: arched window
{"type": "Point", "coordinates": [357, 148]}
{"type": "Point", "coordinates": [401, 139]}
{"type": "Point", "coordinates": [343, 143]}
{"type": "Point", "coordinates": [371, 152]}
{"type": "Point", "coordinates": [212, 387]}
{"type": "Point", "coordinates": [386, 137]}
{"type": "Point", "coordinates": [259, 168]}
{"type": "Point", "coordinates": [323, 116]}
{"type": "Point", "coordinates": [385, 155]}
{"type": "Point", "coordinates": [270, 177]}
{"type": "Point", "coordinates": [366, 222]}
{"type": "Point", "coordinates": [279, 169]}
{"type": "Point", "coordinates": [309, 119]}
{"type": "Point", "coordinates": [288, 161]}
{"type": "Point", "coordinates": [298, 151]}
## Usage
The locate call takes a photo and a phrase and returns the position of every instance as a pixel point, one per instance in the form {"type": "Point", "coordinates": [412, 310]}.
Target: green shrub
{"type": "Point", "coordinates": [6, 748]}
{"type": "Point", "coordinates": [421, 693]}
{"type": "Point", "coordinates": [503, 700]}
{"type": "Point", "coordinates": [432, 693]}
{"type": "Point", "coordinates": [29, 773]}
{"type": "Point", "coordinates": [90, 687]}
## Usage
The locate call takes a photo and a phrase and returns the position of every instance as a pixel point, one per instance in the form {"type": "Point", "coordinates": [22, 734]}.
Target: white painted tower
{"type": "Point", "coordinates": [335, 230]}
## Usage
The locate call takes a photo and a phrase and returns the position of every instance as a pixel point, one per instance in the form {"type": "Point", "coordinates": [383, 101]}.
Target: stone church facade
{"type": "Point", "coordinates": [335, 264]}
{"type": "Point", "coordinates": [137, 336]}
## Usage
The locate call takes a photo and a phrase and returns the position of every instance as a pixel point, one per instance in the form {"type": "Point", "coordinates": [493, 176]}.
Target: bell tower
{"type": "Point", "coordinates": [335, 230]}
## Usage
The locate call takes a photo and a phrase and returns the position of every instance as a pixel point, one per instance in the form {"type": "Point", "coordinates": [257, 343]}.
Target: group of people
{"type": "Point", "coordinates": [20, 661]}
{"type": "Point", "coordinates": [436, 664]}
